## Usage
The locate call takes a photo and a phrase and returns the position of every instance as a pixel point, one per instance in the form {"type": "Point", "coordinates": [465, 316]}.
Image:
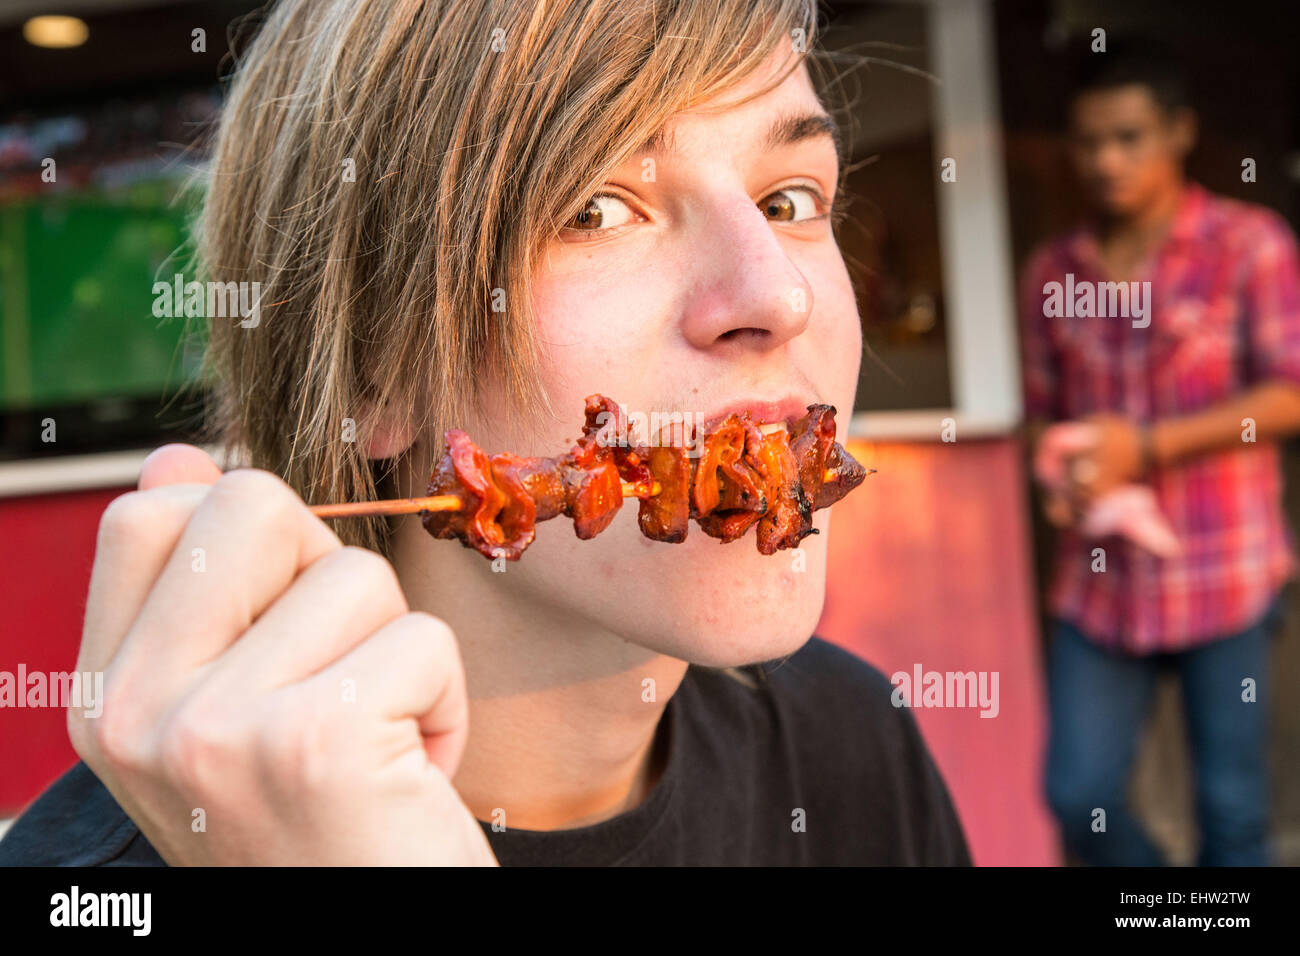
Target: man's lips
{"type": "Point", "coordinates": [674, 426]}
{"type": "Point", "coordinates": [763, 411]}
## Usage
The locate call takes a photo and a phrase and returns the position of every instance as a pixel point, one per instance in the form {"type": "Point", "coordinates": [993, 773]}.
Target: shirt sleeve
{"type": "Point", "coordinates": [76, 822]}
{"type": "Point", "coordinates": [1038, 360]}
{"type": "Point", "coordinates": [1272, 304]}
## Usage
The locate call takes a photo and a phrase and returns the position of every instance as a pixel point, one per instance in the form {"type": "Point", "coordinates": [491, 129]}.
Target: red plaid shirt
{"type": "Point", "coordinates": [1224, 315]}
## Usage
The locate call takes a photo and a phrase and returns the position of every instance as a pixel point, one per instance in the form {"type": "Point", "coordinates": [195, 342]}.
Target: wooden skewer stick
{"type": "Point", "coordinates": [410, 506]}
{"type": "Point", "coordinates": [393, 506]}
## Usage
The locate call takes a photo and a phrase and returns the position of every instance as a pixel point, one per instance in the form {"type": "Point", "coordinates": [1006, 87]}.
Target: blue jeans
{"type": "Point", "coordinates": [1099, 702]}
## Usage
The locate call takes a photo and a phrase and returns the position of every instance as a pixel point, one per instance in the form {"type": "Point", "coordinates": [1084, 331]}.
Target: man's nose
{"type": "Point", "coordinates": [1111, 158]}
{"type": "Point", "coordinates": [746, 289]}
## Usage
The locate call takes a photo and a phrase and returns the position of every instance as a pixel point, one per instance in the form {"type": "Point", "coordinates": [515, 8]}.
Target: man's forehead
{"type": "Point", "coordinates": [783, 116]}
{"type": "Point", "coordinates": [1129, 102]}
{"type": "Point", "coordinates": [793, 89]}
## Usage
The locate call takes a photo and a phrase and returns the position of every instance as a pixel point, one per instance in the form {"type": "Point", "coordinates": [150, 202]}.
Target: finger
{"type": "Point", "coordinates": [1084, 471]}
{"type": "Point", "coordinates": [246, 542]}
{"type": "Point", "coordinates": [1058, 510]}
{"type": "Point", "coordinates": [1073, 437]}
{"type": "Point", "coordinates": [334, 605]}
{"type": "Point", "coordinates": [137, 533]}
{"type": "Point", "coordinates": [409, 668]}
{"type": "Point", "coordinates": [178, 464]}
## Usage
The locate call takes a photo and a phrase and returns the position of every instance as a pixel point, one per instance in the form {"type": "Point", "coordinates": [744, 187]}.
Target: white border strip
{"type": "Point", "coordinates": [40, 476]}
{"type": "Point", "coordinates": [37, 476]}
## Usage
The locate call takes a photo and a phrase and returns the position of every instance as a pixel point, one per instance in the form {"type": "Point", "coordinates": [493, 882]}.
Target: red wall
{"type": "Point", "coordinates": [931, 564]}
{"type": "Point", "coordinates": [48, 544]}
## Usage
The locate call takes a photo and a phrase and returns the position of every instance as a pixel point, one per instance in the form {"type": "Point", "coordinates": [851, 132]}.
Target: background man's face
{"type": "Point", "coordinates": [1125, 148]}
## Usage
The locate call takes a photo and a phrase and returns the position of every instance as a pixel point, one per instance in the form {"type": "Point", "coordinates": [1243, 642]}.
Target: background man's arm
{"type": "Point", "coordinates": [1271, 301]}
{"type": "Point", "coordinates": [1274, 407]}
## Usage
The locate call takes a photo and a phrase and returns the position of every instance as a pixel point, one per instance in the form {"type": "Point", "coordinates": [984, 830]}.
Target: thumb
{"type": "Point", "coordinates": [177, 464]}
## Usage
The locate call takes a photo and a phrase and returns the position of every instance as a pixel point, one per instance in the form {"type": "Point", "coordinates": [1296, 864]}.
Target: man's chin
{"type": "Point", "coordinates": [718, 650]}
{"type": "Point", "coordinates": [744, 628]}
{"type": "Point", "coordinates": [701, 601]}
{"type": "Point", "coordinates": [753, 607]}
{"type": "Point", "coordinates": [1117, 203]}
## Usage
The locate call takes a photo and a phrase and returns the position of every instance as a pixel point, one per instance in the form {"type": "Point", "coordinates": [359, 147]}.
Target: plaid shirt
{"type": "Point", "coordinates": [1224, 314]}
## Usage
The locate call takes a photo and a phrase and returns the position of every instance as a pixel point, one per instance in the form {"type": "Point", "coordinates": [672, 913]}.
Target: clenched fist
{"type": "Point", "coordinates": [269, 696]}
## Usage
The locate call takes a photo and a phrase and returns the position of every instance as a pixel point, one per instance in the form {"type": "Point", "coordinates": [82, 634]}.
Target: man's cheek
{"type": "Point", "coordinates": [838, 342]}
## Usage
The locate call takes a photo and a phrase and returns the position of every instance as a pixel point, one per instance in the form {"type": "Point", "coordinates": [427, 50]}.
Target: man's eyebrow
{"type": "Point", "coordinates": [795, 128]}
{"type": "Point", "coordinates": [786, 130]}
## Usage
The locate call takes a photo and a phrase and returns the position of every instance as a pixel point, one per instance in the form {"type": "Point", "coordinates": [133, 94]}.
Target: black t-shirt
{"type": "Point", "coordinates": [813, 765]}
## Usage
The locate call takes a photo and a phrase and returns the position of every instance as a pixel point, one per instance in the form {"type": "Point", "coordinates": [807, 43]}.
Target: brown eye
{"type": "Point", "coordinates": [589, 218]}
{"type": "Point", "coordinates": [779, 206]}
{"type": "Point", "coordinates": [792, 204]}
{"type": "Point", "coordinates": [604, 211]}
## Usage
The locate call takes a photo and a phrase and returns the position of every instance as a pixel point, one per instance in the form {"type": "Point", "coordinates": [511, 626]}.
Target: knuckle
{"type": "Point", "coordinates": [181, 742]}
{"type": "Point", "coordinates": [434, 628]}
{"type": "Point", "coordinates": [78, 733]}
{"type": "Point", "coordinates": [197, 747]}
{"type": "Point", "coordinates": [126, 518]}
{"type": "Point", "coordinates": [251, 482]}
{"type": "Point", "coordinates": [433, 637]}
{"type": "Point", "coordinates": [294, 747]}
{"type": "Point", "coordinates": [255, 494]}
{"type": "Point", "coordinates": [368, 570]}
{"type": "Point", "coordinates": [114, 735]}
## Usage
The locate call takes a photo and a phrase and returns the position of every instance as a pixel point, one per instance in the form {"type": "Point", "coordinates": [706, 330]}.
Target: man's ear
{"type": "Point", "coordinates": [1184, 126]}
{"type": "Point", "coordinates": [388, 435]}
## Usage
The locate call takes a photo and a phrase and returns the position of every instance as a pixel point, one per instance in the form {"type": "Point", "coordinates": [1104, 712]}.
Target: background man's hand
{"type": "Point", "coordinates": [1114, 458]}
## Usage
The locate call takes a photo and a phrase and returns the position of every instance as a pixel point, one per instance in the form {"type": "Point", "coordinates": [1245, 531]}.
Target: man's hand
{"type": "Point", "coordinates": [1076, 463]}
{"type": "Point", "coordinates": [1114, 458]}
{"type": "Point", "coordinates": [1060, 511]}
{"type": "Point", "coordinates": [269, 697]}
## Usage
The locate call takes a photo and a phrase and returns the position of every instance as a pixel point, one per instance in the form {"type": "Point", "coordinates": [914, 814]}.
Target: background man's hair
{"type": "Point", "coordinates": [1134, 60]}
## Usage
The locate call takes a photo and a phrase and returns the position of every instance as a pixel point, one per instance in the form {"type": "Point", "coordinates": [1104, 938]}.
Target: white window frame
{"type": "Point", "coordinates": [975, 236]}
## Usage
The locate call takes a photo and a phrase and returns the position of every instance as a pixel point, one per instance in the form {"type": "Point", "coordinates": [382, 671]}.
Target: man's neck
{"type": "Point", "coordinates": [1147, 223]}
{"type": "Point", "coordinates": [562, 722]}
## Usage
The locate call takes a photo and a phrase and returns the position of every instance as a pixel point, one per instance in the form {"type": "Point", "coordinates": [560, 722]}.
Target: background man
{"type": "Point", "coordinates": [1190, 404]}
